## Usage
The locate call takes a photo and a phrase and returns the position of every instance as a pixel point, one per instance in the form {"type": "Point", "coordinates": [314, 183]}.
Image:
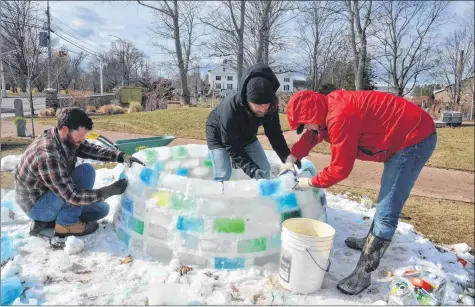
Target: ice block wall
{"type": "Point", "coordinates": [172, 208]}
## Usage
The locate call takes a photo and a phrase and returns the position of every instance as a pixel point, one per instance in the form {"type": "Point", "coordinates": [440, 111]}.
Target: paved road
{"type": "Point", "coordinates": [8, 109]}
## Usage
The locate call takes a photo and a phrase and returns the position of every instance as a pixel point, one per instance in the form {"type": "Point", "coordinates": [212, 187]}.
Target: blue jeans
{"type": "Point", "coordinates": [400, 173]}
{"type": "Point", "coordinates": [52, 208]}
{"type": "Point", "coordinates": [222, 161]}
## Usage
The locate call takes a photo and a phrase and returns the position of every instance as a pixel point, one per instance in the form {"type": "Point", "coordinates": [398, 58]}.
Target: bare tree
{"type": "Point", "coordinates": [20, 35]}
{"type": "Point", "coordinates": [265, 20]}
{"type": "Point", "coordinates": [455, 61]}
{"type": "Point", "coordinates": [406, 36]}
{"type": "Point", "coordinates": [129, 56]}
{"type": "Point", "coordinates": [359, 15]}
{"type": "Point", "coordinates": [69, 69]}
{"type": "Point", "coordinates": [320, 41]}
{"type": "Point", "coordinates": [178, 20]}
{"type": "Point", "coordinates": [230, 26]}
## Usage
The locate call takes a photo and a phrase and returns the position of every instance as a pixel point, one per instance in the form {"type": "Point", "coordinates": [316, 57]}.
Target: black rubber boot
{"type": "Point", "coordinates": [37, 226]}
{"type": "Point", "coordinates": [358, 243]}
{"type": "Point", "coordinates": [360, 279]}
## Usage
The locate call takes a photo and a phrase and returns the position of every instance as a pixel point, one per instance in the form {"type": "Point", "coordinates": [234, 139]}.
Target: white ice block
{"type": "Point", "coordinates": [241, 189]}
{"type": "Point", "coordinates": [158, 250]}
{"type": "Point", "coordinates": [272, 157]}
{"type": "Point", "coordinates": [201, 172]}
{"type": "Point", "coordinates": [164, 153]}
{"type": "Point", "coordinates": [190, 163]}
{"type": "Point", "coordinates": [204, 188]}
{"type": "Point", "coordinates": [158, 232]}
{"type": "Point", "coordinates": [239, 174]}
{"type": "Point", "coordinates": [213, 207]}
{"type": "Point", "coordinates": [174, 182]}
{"type": "Point", "coordinates": [168, 294]}
{"type": "Point", "coordinates": [171, 165]}
{"type": "Point", "coordinates": [190, 259]}
{"type": "Point", "coordinates": [197, 151]}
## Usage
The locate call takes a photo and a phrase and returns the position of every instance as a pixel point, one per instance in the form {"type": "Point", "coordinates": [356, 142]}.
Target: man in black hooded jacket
{"type": "Point", "coordinates": [231, 128]}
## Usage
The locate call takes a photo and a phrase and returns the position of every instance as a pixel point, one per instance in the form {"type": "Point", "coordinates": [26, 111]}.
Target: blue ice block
{"type": "Point", "coordinates": [286, 202]}
{"type": "Point", "coordinates": [7, 204]}
{"type": "Point", "coordinates": [123, 176]}
{"type": "Point", "coordinates": [221, 263]}
{"type": "Point", "coordinates": [308, 166]}
{"type": "Point", "coordinates": [269, 187]}
{"type": "Point", "coordinates": [190, 224]}
{"type": "Point", "coordinates": [181, 171]}
{"type": "Point", "coordinates": [275, 241]}
{"type": "Point", "coordinates": [7, 248]}
{"type": "Point", "coordinates": [11, 289]}
{"type": "Point", "coordinates": [189, 241]}
{"type": "Point", "coordinates": [128, 204]}
{"type": "Point", "coordinates": [123, 236]}
{"type": "Point", "coordinates": [149, 177]}
{"type": "Point", "coordinates": [159, 166]}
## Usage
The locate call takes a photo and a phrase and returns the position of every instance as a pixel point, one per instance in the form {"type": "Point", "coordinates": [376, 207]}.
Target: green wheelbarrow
{"type": "Point", "coordinates": [131, 146]}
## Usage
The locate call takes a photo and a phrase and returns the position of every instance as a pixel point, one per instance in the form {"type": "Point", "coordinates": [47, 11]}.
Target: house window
{"type": "Point", "coordinates": [286, 87]}
{"type": "Point", "coordinates": [218, 86]}
{"type": "Point", "coordinates": [230, 78]}
{"type": "Point", "coordinates": [218, 78]}
{"type": "Point", "coordinates": [229, 86]}
{"type": "Point", "coordinates": [286, 79]}
{"type": "Point", "coordinates": [224, 69]}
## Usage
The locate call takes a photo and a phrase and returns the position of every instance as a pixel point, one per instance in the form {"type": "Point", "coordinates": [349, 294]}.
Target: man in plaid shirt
{"type": "Point", "coordinates": [52, 191]}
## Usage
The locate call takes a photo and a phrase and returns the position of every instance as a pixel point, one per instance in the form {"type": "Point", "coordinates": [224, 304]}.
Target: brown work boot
{"type": "Point", "coordinates": [78, 229]}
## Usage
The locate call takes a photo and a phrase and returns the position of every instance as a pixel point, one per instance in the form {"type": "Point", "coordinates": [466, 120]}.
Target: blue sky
{"type": "Point", "coordinates": [97, 20]}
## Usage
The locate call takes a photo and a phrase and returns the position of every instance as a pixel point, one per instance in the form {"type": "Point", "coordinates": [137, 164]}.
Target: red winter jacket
{"type": "Point", "coordinates": [364, 125]}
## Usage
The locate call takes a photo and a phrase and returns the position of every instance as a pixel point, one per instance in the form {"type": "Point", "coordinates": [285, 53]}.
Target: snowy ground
{"type": "Point", "coordinates": [96, 276]}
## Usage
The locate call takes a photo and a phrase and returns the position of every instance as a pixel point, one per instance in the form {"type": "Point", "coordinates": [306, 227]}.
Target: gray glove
{"type": "Point", "coordinates": [116, 188]}
{"type": "Point", "coordinates": [125, 158]}
{"type": "Point", "coordinates": [260, 174]}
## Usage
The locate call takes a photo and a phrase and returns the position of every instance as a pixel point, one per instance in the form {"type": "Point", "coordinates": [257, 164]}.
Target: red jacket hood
{"type": "Point", "coordinates": [307, 107]}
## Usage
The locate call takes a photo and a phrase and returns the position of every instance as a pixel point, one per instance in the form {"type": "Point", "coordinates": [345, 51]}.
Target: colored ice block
{"type": "Point", "coordinates": [180, 202]}
{"type": "Point", "coordinates": [228, 225]}
{"type": "Point", "coordinates": [128, 204]}
{"type": "Point", "coordinates": [307, 165]}
{"type": "Point", "coordinates": [286, 202]}
{"type": "Point", "coordinates": [149, 177]}
{"type": "Point", "coordinates": [7, 248]}
{"type": "Point", "coordinates": [207, 163]}
{"type": "Point", "coordinates": [161, 198]}
{"type": "Point", "coordinates": [123, 176]}
{"type": "Point", "coordinates": [123, 236]}
{"type": "Point", "coordinates": [181, 171]}
{"type": "Point", "coordinates": [179, 152]}
{"type": "Point", "coordinates": [135, 225]}
{"type": "Point", "coordinates": [252, 245]}
{"type": "Point", "coordinates": [275, 241]}
{"type": "Point", "coordinates": [221, 263]}
{"type": "Point", "coordinates": [7, 204]}
{"type": "Point", "coordinates": [151, 155]}
{"type": "Point", "coordinates": [11, 289]}
{"type": "Point", "coordinates": [159, 166]}
{"type": "Point", "coordinates": [190, 224]}
{"type": "Point", "coordinates": [269, 187]}
{"type": "Point", "coordinates": [291, 214]}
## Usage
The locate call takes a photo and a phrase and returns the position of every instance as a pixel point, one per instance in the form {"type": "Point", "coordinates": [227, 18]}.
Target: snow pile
{"type": "Point", "coordinates": [9, 163]}
{"type": "Point", "coordinates": [95, 275]}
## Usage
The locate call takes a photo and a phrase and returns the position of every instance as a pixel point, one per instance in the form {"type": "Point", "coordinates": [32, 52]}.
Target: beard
{"type": "Point", "coordinates": [68, 141]}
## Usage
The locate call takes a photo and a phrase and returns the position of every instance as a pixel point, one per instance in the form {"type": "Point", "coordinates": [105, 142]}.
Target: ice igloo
{"type": "Point", "coordinates": [172, 209]}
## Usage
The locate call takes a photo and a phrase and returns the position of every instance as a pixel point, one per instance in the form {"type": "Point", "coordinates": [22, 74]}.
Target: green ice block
{"type": "Point", "coordinates": [252, 245]}
{"type": "Point", "coordinates": [228, 225]}
{"type": "Point", "coordinates": [179, 152]}
{"type": "Point", "coordinates": [179, 202]}
{"type": "Point", "coordinates": [291, 214]}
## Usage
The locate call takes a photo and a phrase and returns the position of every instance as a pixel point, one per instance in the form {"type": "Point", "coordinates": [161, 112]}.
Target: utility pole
{"type": "Point", "coordinates": [102, 88]}
{"type": "Point", "coordinates": [4, 92]}
{"type": "Point", "coordinates": [49, 44]}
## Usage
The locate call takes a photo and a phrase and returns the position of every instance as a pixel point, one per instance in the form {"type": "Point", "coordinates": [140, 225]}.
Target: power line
{"type": "Point", "coordinates": [22, 24]}
{"type": "Point", "coordinates": [56, 18]}
{"type": "Point", "coordinates": [78, 41]}
{"type": "Point", "coordinates": [82, 48]}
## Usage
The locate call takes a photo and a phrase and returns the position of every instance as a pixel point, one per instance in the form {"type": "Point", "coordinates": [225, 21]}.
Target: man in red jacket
{"type": "Point", "coordinates": [369, 126]}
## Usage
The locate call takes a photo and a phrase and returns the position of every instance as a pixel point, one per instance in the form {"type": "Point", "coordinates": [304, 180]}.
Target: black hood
{"type": "Point", "coordinates": [256, 70]}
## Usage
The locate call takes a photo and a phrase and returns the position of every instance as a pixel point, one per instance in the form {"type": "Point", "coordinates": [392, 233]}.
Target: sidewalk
{"type": "Point", "coordinates": [433, 182]}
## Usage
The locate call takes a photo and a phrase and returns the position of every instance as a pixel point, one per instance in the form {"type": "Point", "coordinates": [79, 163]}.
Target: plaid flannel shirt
{"type": "Point", "coordinates": [45, 167]}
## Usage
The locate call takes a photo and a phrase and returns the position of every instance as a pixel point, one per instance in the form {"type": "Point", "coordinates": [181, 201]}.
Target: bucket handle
{"type": "Point", "coordinates": [329, 262]}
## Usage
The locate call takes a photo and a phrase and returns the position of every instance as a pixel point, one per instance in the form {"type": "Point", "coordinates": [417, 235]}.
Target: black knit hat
{"type": "Point", "coordinates": [259, 90]}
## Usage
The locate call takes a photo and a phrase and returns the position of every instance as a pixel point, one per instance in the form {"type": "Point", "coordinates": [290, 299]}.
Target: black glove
{"type": "Point", "coordinates": [116, 188]}
{"type": "Point", "coordinates": [128, 159]}
{"type": "Point", "coordinates": [260, 174]}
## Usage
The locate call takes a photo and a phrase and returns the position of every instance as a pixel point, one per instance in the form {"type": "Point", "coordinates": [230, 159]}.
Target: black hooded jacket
{"type": "Point", "coordinates": [232, 125]}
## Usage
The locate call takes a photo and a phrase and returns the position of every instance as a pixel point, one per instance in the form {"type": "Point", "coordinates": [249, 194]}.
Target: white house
{"type": "Point", "coordinates": [224, 78]}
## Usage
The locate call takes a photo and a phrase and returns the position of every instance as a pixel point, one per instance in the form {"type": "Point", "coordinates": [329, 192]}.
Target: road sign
{"type": "Point", "coordinates": [61, 54]}
{"type": "Point", "coordinates": [43, 39]}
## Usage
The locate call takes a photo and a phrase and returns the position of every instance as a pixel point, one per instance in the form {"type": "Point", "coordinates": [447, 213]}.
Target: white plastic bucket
{"type": "Point", "coordinates": [304, 258]}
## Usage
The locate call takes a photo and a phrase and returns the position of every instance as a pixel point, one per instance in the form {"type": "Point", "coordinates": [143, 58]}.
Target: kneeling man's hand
{"type": "Point", "coordinates": [303, 184]}
{"type": "Point", "coordinates": [260, 174]}
{"type": "Point", "coordinates": [125, 158]}
{"type": "Point", "coordinates": [116, 188]}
